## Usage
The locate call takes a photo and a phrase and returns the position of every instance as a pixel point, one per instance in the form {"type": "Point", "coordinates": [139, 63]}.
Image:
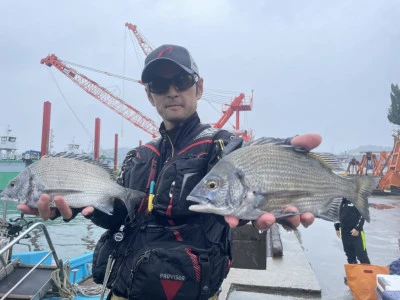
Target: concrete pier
{"type": "Point", "coordinates": [289, 275]}
{"type": "Point", "coordinates": [316, 253]}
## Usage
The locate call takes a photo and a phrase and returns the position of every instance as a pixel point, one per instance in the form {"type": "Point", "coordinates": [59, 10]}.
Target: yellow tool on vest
{"type": "Point", "coordinates": [151, 196]}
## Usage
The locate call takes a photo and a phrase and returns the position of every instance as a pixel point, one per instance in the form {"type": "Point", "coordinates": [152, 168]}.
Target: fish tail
{"type": "Point", "coordinates": [134, 197]}
{"type": "Point", "coordinates": [364, 187]}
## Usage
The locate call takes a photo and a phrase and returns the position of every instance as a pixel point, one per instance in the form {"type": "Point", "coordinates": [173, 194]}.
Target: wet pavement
{"type": "Point", "coordinates": [320, 252]}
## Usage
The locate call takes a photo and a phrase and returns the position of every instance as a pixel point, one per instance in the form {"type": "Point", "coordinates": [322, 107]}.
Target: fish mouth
{"type": "Point", "coordinates": [198, 199]}
{"type": "Point", "coordinates": [209, 208]}
{"type": "Point", "coordinates": [205, 206]}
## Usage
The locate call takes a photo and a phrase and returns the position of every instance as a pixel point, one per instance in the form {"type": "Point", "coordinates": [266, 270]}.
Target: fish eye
{"type": "Point", "coordinates": [212, 184]}
{"type": "Point", "coordinates": [12, 183]}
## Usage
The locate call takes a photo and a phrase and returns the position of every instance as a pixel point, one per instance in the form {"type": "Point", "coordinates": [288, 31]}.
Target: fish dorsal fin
{"type": "Point", "coordinates": [263, 141]}
{"type": "Point", "coordinates": [329, 160]}
{"type": "Point", "coordinates": [84, 158]}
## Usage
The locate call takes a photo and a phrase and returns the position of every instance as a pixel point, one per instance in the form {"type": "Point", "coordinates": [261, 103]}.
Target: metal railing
{"type": "Point", "coordinates": [51, 252]}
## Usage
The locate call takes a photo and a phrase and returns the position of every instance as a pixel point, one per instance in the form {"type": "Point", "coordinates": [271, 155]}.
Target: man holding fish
{"type": "Point", "coordinates": [160, 227]}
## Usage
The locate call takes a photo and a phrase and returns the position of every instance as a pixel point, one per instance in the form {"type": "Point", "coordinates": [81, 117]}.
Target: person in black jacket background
{"type": "Point", "coordinates": [350, 229]}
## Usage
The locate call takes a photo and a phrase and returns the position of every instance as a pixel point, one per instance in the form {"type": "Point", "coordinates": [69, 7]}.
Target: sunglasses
{"type": "Point", "coordinates": [180, 82]}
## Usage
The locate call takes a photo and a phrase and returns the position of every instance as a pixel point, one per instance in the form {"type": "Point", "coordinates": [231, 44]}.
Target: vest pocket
{"type": "Point", "coordinates": [179, 272]}
{"type": "Point", "coordinates": [155, 234]}
{"type": "Point", "coordinates": [104, 248]}
{"type": "Point", "coordinates": [174, 185]}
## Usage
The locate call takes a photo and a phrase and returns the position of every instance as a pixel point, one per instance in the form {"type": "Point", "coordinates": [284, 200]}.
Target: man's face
{"type": "Point", "coordinates": [174, 106]}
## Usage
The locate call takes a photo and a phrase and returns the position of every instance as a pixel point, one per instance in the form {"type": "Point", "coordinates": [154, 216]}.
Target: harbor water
{"type": "Point", "coordinates": [69, 239]}
{"type": "Point", "coordinates": [323, 248]}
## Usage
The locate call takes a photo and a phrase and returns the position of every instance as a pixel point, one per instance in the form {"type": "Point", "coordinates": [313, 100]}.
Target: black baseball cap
{"type": "Point", "coordinates": [177, 54]}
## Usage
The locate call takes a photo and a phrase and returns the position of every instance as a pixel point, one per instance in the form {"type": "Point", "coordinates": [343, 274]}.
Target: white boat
{"type": "Point", "coordinates": [11, 162]}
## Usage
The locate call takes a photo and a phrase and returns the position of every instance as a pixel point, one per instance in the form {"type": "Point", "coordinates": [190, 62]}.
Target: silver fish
{"type": "Point", "coordinates": [81, 181]}
{"type": "Point", "coordinates": [261, 178]}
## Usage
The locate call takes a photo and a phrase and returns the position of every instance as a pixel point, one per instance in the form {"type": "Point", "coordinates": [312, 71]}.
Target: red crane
{"type": "Point", "coordinates": [104, 96]}
{"type": "Point", "coordinates": [141, 40]}
{"type": "Point", "coordinates": [391, 180]}
{"type": "Point", "coordinates": [236, 106]}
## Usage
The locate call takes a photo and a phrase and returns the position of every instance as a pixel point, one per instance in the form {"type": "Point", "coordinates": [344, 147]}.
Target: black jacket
{"type": "Point", "coordinates": [349, 218]}
{"type": "Point", "coordinates": [165, 160]}
{"type": "Point", "coordinates": [176, 162]}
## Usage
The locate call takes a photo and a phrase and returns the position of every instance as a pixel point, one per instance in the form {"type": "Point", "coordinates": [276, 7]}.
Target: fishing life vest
{"type": "Point", "coordinates": [165, 251]}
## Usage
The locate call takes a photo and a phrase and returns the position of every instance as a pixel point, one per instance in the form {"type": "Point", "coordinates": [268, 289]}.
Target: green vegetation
{"type": "Point", "coordinates": [394, 110]}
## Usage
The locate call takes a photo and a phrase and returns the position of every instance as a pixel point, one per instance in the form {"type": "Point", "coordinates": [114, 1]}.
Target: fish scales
{"type": "Point", "coordinates": [82, 182]}
{"type": "Point", "coordinates": [89, 178]}
{"type": "Point", "coordinates": [266, 178]}
{"type": "Point", "coordinates": [272, 175]}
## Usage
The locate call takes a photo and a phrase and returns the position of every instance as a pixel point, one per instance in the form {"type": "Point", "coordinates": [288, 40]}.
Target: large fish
{"type": "Point", "coordinates": [263, 177]}
{"type": "Point", "coordinates": [81, 181]}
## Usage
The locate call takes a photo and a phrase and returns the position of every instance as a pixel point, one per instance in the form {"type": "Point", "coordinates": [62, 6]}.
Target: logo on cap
{"type": "Point", "coordinates": [163, 50]}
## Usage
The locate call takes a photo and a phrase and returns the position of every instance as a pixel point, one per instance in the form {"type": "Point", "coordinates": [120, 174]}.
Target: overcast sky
{"type": "Point", "coordinates": [315, 66]}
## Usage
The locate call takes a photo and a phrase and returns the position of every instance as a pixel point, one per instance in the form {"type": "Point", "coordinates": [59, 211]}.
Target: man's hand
{"type": "Point", "coordinates": [354, 232]}
{"type": "Point", "coordinates": [46, 212]}
{"type": "Point", "coordinates": [339, 235]}
{"type": "Point", "coordinates": [265, 221]}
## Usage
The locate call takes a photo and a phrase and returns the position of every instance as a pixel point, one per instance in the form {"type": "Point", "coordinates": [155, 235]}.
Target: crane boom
{"type": "Point", "coordinates": [104, 96]}
{"type": "Point", "coordinates": [141, 40]}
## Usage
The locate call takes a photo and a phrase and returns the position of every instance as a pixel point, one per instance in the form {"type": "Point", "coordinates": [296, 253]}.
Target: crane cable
{"type": "Point", "coordinates": [146, 40]}
{"type": "Point", "coordinates": [123, 84]}
{"type": "Point", "coordinates": [213, 96]}
{"type": "Point", "coordinates": [69, 105]}
{"type": "Point", "coordinates": [99, 71]}
{"type": "Point", "coordinates": [73, 112]}
{"type": "Point", "coordinates": [210, 92]}
{"type": "Point", "coordinates": [138, 57]}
